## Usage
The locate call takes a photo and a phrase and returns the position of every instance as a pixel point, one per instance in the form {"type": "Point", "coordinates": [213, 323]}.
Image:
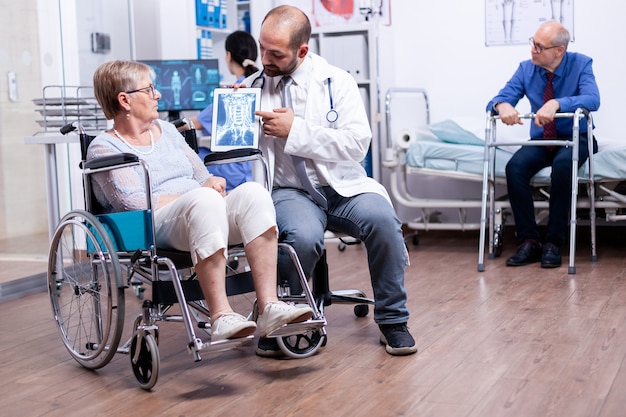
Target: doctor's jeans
{"type": "Point", "coordinates": [522, 166]}
{"type": "Point", "coordinates": [368, 217]}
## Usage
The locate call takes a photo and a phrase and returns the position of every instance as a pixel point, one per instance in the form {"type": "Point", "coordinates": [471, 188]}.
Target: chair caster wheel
{"type": "Point", "coordinates": [361, 310]}
{"type": "Point", "coordinates": [302, 345]}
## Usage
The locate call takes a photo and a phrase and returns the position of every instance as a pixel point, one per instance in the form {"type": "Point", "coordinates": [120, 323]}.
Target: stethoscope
{"type": "Point", "coordinates": [331, 115]}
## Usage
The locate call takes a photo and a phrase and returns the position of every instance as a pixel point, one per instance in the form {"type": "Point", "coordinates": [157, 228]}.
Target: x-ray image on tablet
{"type": "Point", "coordinates": [234, 123]}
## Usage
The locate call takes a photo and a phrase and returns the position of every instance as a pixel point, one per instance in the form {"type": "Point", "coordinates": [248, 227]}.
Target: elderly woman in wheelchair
{"type": "Point", "coordinates": [193, 213]}
{"type": "Point", "coordinates": [156, 216]}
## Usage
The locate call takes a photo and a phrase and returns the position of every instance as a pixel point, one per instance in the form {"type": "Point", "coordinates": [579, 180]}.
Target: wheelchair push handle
{"type": "Point", "coordinates": [178, 123]}
{"type": "Point", "coordinates": [84, 138]}
{"type": "Point", "coordinates": [70, 127]}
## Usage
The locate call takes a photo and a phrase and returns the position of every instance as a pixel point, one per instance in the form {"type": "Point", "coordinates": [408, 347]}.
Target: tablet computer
{"type": "Point", "coordinates": [234, 124]}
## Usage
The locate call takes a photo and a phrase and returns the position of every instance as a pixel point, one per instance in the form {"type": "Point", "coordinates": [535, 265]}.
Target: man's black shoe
{"type": "Point", "coordinates": [397, 339]}
{"type": "Point", "coordinates": [551, 257]}
{"type": "Point", "coordinates": [527, 253]}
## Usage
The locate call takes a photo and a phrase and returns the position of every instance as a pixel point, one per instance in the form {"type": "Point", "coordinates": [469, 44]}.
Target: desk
{"type": "Point", "coordinates": [50, 141]}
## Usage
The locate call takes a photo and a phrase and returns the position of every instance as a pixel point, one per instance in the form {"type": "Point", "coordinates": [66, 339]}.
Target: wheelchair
{"type": "Point", "coordinates": [95, 256]}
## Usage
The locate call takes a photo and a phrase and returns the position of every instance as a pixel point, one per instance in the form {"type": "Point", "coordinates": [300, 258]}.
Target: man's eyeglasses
{"type": "Point", "coordinates": [150, 90]}
{"type": "Point", "coordinates": [538, 47]}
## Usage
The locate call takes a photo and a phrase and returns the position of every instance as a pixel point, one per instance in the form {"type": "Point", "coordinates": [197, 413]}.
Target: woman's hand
{"type": "Point", "coordinates": [217, 183]}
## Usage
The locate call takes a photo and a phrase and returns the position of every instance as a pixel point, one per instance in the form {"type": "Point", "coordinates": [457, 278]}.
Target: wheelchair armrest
{"type": "Point", "coordinates": [110, 161]}
{"type": "Point", "coordinates": [242, 155]}
{"type": "Point", "coordinates": [238, 154]}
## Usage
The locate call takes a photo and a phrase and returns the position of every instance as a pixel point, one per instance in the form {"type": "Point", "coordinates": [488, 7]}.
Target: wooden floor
{"type": "Point", "coordinates": [519, 342]}
{"type": "Point", "coordinates": [23, 256]}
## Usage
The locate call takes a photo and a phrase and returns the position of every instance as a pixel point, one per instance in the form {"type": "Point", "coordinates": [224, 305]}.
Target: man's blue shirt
{"type": "Point", "coordinates": [574, 87]}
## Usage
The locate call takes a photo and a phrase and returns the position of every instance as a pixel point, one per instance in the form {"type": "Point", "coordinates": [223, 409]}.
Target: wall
{"type": "Point", "coordinates": [440, 46]}
{"type": "Point", "coordinates": [49, 53]}
{"type": "Point", "coordinates": [22, 201]}
{"type": "Point", "coordinates": [164, 29]}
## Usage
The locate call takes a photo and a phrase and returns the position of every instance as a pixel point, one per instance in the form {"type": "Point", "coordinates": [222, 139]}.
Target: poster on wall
{"type": "Point", "coordinates": [512, 22]}
{"type": "Point", "coordinates": [341, 12]}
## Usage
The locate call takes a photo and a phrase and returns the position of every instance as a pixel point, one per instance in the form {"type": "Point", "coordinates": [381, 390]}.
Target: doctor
{"type": "Point", "coordinates": [321, 121]}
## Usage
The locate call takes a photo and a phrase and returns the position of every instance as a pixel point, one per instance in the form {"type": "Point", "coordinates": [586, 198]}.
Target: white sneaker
{"type": "Point", "coordinates": [231, 326]}
{"type": "Point", "coordinates": [278, 313]}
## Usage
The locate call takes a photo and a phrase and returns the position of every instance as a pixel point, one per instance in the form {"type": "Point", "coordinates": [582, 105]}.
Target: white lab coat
{"type": "Point", "coordinates": [336, 149]}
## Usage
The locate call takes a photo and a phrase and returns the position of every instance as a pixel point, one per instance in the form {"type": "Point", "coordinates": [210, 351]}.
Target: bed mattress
{"type": "Point", "coordinates": [609, 162]}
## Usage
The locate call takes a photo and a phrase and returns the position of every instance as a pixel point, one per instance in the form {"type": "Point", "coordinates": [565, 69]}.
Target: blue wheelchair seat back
{"type": "Point", "coordinates": [129, 231]}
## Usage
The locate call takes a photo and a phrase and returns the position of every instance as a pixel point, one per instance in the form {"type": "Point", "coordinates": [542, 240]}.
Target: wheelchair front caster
{"type": "Point", "coordinates": [361, 310]}
{"type": "Point", "coordinates": [144, 359]}
{"type": "Point", "coordinates": [301, 345]}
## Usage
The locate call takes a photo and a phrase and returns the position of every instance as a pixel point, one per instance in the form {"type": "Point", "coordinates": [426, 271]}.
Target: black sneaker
{"type": "Point", "coordinates": [397, 339]}
{"type": "Point", "coordinates": [268, 348]}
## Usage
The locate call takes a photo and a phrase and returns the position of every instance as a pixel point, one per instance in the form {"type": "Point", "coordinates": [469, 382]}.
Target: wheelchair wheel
{"type": "Point", "coordinates": [301, 345]}
{"type": "Point", "coordinates": [145, 362]}
{"type": "Point", "coordinates": [86, 289]}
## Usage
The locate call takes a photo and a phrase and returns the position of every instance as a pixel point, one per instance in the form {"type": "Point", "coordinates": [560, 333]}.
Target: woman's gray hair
{"type": "Point", "coordinates": [114, 77]}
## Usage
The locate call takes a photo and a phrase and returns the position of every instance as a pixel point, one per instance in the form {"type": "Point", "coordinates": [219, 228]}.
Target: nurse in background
{"type": "Point", "coordinates": [241, 55]}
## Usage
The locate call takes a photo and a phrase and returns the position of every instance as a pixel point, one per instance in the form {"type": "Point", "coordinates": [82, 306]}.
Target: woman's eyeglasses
{"type": "Point", "coordinates": [150, 90]}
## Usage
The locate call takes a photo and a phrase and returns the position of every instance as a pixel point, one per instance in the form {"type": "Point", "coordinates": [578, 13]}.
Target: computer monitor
{"type": "Point", "coordinates": [185, 84]}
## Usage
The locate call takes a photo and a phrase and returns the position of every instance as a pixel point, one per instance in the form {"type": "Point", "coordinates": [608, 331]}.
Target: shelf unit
{"type": "Point", "coordinates": [61, 105]}
{"type": "Point", "coordinates": [210, 39]}
{"type": "Point", "coordinates": [354, 49]}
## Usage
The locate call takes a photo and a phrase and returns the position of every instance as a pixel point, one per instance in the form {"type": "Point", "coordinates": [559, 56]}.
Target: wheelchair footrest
{"type": "Point", "coordinates": [222, 345]}
{"type": "Point", "coordinates": [298, 328]}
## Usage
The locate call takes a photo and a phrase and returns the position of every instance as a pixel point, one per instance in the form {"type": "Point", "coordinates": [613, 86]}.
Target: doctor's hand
{"type": "Point", "coordinates": [508, 114]}
{"type": "Point", "coordinates": [276, 123]}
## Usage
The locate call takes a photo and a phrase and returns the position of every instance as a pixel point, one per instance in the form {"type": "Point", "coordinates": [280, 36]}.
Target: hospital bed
{"type": "Point", "coordinates": [413, 153]}
{"type": "Point", "coordinates": [455, 149]}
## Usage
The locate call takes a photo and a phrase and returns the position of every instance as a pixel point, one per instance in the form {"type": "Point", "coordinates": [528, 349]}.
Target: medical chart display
{"type": "Point", "coordinates": [512, 22]}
